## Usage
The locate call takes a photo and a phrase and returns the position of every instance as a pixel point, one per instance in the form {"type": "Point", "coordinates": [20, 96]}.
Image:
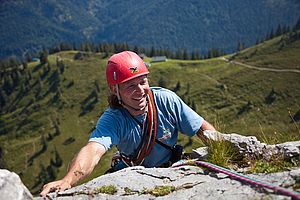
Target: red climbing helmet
{"type": "Point", "coordinates": [124, 66]}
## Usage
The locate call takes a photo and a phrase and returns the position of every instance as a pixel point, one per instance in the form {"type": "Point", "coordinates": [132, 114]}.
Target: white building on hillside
{"type": "Point", "coordinates": [159, 59]}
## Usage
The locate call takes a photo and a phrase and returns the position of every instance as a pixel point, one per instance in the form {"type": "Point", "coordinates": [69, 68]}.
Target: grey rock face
{"type": "Point", "coordinates": [11, 187]}
{"type": "Point", "coordinates": [190, 182]}
{"type": "Point", "coordinates": [250, 145]}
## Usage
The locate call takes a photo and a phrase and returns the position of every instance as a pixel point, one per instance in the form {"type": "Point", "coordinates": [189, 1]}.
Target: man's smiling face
{"type": "Point", "coordinates": [134, 94]}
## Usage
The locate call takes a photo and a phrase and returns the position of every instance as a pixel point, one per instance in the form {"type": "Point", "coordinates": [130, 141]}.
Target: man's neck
{"type": "Point", "coordinates": [135, 112]}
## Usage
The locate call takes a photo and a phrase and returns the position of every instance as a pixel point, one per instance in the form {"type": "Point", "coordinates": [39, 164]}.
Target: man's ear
{"type": "Point", "coordinates": [113, 89]}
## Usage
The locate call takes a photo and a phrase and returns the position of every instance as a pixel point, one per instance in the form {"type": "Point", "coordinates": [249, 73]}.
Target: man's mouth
{"type": "Point", "coordinates": [142, 98]}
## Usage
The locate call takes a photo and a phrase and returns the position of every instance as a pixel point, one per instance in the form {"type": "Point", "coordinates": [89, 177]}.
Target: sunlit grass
{"type": "Point", "coordinates": [222, 153]}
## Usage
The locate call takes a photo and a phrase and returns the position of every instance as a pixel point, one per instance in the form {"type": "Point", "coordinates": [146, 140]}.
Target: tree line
{"type": "Point", "coordinates": [13, 61]}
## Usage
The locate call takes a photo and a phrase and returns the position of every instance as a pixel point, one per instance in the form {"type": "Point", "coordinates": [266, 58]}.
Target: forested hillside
{"type": "Point", "coordinates": [28, 26]}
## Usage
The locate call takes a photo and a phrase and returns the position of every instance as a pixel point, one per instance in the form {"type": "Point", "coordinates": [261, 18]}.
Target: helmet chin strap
{"type": "Point", "coordinates": [125, 105]}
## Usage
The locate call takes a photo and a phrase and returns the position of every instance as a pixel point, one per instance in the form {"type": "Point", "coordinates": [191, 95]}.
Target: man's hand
{"type": "Point", "coordinates": [207, 133]}
{"type": "Point", "coordinates": [56, 186]}
{"type": "Point", "coordinates": [208, 136]}
{"type": "Point", "coordinates": [213, 135]}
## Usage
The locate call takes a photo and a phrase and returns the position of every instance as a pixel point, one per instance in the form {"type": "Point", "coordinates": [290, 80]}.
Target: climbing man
{"type": "Point", "coordinates": [141, 121]}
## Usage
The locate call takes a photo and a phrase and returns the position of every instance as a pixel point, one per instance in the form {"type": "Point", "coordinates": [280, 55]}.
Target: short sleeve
{"type": "Point", "coordinates": [106, 131]}
{"type": "Point", "coordinates": [188, 121]}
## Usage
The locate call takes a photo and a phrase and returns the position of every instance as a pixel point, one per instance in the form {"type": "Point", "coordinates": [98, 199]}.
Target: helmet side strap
{"type": "Point", "coordinates": [118, 94]}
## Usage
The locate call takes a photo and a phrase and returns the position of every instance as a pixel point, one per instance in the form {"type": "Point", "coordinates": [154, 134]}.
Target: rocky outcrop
{"type": "Point", "coordinates": [250, 145]}
{"type": "Point", "coordinates": [186, 182]}
{"type": "Point", "coordinates": [182, 182]}
{"type": "Point", "coordinates": [11, 187]}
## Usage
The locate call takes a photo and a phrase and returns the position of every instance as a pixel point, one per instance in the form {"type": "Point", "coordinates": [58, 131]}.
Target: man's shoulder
{"type": "Point", "coordinates": [164, 95]}
{"type": "Point", "coordinates": [162, 91]}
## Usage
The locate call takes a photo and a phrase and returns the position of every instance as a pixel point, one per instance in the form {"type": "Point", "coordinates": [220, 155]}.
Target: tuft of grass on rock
{"type": "Point", "coordinates": [222, 153]}
{"type": "Point", "coordinates": [106, 189]}
{"type": "Point", "coordinates": [129, 191]}
{"type": "Point", "coordinates": [159, 190]}
{"type": "Point", "coordinates": [297, 183]}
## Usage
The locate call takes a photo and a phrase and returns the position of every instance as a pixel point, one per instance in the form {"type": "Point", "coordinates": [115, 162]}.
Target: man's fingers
{"type": "Point", "coordinates": [49, 188]}
{"type": "Point", "coordinates": [45, 192]}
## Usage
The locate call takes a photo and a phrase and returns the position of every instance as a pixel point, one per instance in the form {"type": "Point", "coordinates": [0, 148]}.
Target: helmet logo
{"type": "Point", "coordinates": [134, 70]}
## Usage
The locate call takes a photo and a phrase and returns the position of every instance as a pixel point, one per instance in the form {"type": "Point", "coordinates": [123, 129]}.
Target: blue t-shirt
{"type": "Point", "coordinates": [117, 127]}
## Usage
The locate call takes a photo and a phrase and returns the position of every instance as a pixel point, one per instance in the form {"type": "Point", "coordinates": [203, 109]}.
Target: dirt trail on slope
{"type": "Point", "coordinates": [262, 68]}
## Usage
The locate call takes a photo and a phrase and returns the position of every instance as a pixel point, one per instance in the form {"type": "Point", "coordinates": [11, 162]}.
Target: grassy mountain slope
{"type": "Point", "coordinates": [279, 53]}
{"type": "Point", "coordinates": [51, 111]}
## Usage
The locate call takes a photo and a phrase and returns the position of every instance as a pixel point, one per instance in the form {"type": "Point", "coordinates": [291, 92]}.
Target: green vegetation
{"type": "Point", "coordinates": [278, 53]}
{"type": "Point", "coordinates": [48, 110]}
{"type": "Point", "coordinates": [274, 165]}
{"type": "Point", "coordinates": [129, 191]}
{"type": "Point", "coordinates": [222, 153]}
{"type": "Point", "coordinates": [297, 184]}
{"type": "Point", "coordinates": [159, 190]}
{"type": "Point", "coordinates": [106, 189]}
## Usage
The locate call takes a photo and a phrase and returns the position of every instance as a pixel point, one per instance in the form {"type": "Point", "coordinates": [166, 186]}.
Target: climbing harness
{"type": "Point", "coordinates": [240, 177]}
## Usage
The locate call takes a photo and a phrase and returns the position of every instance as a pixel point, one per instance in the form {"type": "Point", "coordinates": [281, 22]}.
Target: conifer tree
{"type": "Point", "coordinates": [27, 57]}
{"type": "Point", "coordinates": [3, 99]}
{"type": "Point", "coordinates": [240, 46]}
{"type": "Point", "coordinates": [13, 61]}
{"type": "Point", "coordinates": [152, 52]}
{"type": "Point", "coordinates": [8, 84]}
{"type": "Point", "coordinates": [44, 143]}
{"type": "Point", "coordinates": [194, 106]}
{"type": "Point", "coordinates": [278, 30]}
{"type": "Point", "coordinates": [51, 173]}
{"type": "Point", "coordinates": [60, 64]}
{"type": "Point", "coordinates": [257, 41]}
{"type": "Point", "coordinates": [177, 87]}
{"type": "Point", "coordinates": [15, 77]}
{"type": "Point", "coordinates": [195, 55]}
{"type": "Point", "coordinates": [185, 55]}
{"type": "Point", "coordinates": [38, 89]}
{"type": "Point", "coordinates": [271, 35]}
{"type": "Point", "coordinates": [43, 176]}
{"type": "Point", "coordinates": [179, 54]}
{"type": "Point", "coordinates": [168, 53]}
{"type": "Point", "coordinates": [57, 162]}
{"type": "Point", "coordinates": [297, 25]}
{"type": "Point", "coordinates": [2, 162]}
{"type": "Point", "coordinates": [44, 57]}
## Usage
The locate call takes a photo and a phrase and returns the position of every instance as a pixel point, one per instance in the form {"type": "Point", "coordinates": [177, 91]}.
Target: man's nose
{"type": "Point", "coordinates": [140, 88]}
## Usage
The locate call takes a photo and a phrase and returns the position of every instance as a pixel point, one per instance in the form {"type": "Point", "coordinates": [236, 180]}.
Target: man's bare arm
{"type": "Point", "coordinates": [81, 166]}
{"type": "Point", "coordinates": [205, 126]}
